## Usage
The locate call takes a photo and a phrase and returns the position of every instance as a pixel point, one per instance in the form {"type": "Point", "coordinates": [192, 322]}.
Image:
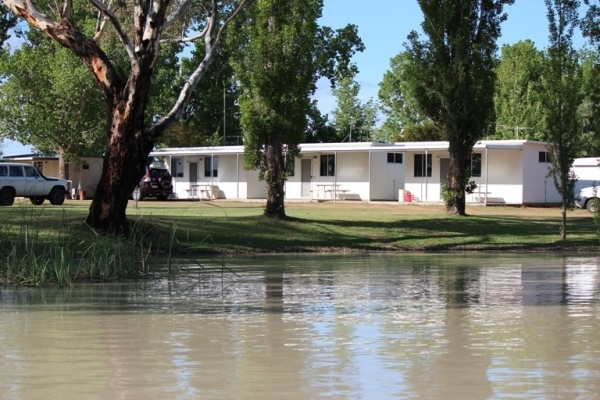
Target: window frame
{"type": "Point", "coordinates": [327, 165]}
{"type": "Point", "coordinates": [424, 167]}
{"type": "Point", "coordinates": [544, 157]}
{"type": "Point", "coordinates": [210, 164]}
{"type": "Point", "coordinates": [395, 158]}
{"type": "Point", "coordinates": [176, 171]}
{"type": "Point", "coordinates": [474, 172]}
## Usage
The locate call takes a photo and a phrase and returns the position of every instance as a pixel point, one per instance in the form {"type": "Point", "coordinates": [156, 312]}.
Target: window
{"type": "Point", "coordinates": [15, 170]}
{"type": "Point", "coordinates": [422, 166]}
{"type": "Point", "coordinates": [177, 167]}
{"type": "Point", "coordinates": [211, 163]}
{"type": "Point", "coordinates": [3, 170]}
{"type": "Point", "coordinates": [290, 166]}
{"type": "Point", "coordinates": [475, 164]}
{"type": "Point", "coordinates": [328, 165]}
{"type": "Point", "coordinates": [544, 157]}
{"type": "Point", "coordinates": [31, 172]}
{"type": "Point", "coordinates": [39, 165]}
{"type": "Point", "coordinates": [394, 158]}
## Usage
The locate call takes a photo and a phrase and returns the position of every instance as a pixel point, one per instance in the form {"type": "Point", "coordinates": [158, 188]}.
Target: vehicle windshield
{"type": "Point", "coordinates": [159, 173]}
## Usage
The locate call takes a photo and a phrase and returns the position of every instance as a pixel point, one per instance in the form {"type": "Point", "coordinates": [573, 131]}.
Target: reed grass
{"type": "Point", "coordinates": [38, 254]}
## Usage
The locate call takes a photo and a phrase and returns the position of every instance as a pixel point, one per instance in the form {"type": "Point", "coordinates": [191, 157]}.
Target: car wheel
{"type": "Point", "coordinates": [57, 196]}
{"type": "Point", "coordinates": [593, 204]}
{"type": "Point", "coordinates": [38, 201]}
{"type": "Point", "coordinates": [7, 197]}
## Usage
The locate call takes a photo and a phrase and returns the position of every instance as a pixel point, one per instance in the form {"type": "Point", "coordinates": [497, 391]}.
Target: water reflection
{"type": "Point", "coordinates": [440, 326]}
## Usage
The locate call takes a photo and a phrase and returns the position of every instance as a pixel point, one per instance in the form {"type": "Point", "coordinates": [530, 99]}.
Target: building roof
{"type": "Point", "coordinates": [347, 147]}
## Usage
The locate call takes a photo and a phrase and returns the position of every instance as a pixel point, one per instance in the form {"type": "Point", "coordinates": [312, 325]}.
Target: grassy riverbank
{"type": "Point", "coordinates": [46, 244]}
{"type": "Point", "coordinates": [233, 227]}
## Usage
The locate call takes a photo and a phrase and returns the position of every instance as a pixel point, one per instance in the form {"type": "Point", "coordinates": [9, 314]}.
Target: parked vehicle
{"type": "Point", "coordinates": [157, 182]}
{"type": "Point", "coordinates": [588, 199]}
{"type": "Point", "coordinates": [23, 180]}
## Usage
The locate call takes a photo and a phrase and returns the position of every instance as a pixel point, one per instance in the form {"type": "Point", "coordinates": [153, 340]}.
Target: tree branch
{"type": "Point", "coordinates": [211, 42]}
{"type": "Point", "coordinates": [66, 10]}
{"type": "Point", "coordinates": [177, 13]}
{"type": "Point", "coordinates": [122, 35]}
{"type": "Point", "coordinates": [186, 39]}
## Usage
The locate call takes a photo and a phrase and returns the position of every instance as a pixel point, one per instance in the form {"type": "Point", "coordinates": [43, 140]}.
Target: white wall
{"type": "Point", "coordinates": [505, 176]}
{"type": "Point", "coordinates": [386, 178]}
{"type": "Point", "coordinates": [538, 188]}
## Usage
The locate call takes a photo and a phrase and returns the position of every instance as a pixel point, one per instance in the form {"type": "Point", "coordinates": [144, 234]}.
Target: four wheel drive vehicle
{"type": "Point", "coordinates": [156, 183]}
{"type": "Point", "coordinates": [588, 198]}
{"type": "Point", "coordinates": [23, 180]}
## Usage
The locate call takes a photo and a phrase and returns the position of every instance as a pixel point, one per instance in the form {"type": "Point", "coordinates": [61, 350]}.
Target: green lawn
{"type": "Point", "coordinates": [234, 226]}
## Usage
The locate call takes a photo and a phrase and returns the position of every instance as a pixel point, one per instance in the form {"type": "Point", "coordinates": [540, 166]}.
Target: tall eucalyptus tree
{"type": "Point", "coordinates": [141, 27]}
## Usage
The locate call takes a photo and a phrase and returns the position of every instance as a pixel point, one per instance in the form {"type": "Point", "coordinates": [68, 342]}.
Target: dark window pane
{"type": "Point", "coordinates": [419, 160]}
{"type": "Point", "coordinates": [476, 165]}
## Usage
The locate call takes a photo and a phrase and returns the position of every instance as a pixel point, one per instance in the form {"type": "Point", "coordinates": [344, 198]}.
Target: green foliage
{"type": "Point", "coordinates": [397, 98]}
{"type": "Point", "coordinates": [49, 99]}
{"type": "Point", "coordinates": [319, 130]}
{"type": "Point", "coordinates": [7, 22]}
{"type": "Point", "coordinates": [352, 120]}
{"type": "Point", "coordinates": [518, 93]}
{"type": "Point", "coordinates": [589, 110]}
{"type": "Point", "coordinates": [453, 70]}
{"type": "Point", "coordinates": [214, 102]}
{"type": "Point", "coordinates": [281, 53]}
{"type": "Point", "coordinates": [427, 131]}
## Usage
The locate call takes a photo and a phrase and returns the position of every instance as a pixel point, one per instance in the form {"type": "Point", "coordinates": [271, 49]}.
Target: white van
{"type": "Point", "coordinates": [23, 180]}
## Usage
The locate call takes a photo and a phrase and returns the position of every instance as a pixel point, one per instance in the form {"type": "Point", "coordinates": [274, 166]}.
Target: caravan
{"type": "Point", "coordinates": [587, 171]}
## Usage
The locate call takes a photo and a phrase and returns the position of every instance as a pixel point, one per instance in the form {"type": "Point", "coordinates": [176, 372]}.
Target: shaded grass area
{"type": "Point", "coordinates": [45, 244]}
{"type": "Point", "coordinates": [240, 227]}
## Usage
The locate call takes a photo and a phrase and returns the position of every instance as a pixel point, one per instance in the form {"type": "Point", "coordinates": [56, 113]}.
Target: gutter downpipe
{"type": "Point", "coordinates": [427, 174]}
{"type": "Point", "coordinates": [486, 175]}
{"type": "Point", "coordinates": [237, 169]}
{"type": "Point", "coordinates": [370, 152]}
{"type": "Point", "coordinates": [170, 166]}
{"type": "Point", "coordinates": [335, 178]}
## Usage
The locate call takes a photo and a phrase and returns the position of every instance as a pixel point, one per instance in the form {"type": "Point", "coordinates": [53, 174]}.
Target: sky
{"type": "Point", "coordinates": [384, 26]}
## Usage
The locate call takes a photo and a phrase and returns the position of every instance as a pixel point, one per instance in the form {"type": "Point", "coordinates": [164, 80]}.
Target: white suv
{"type": "Point", "coordinates": [23, 180]}
{"type": "Point", "coordinates": [588, 198]}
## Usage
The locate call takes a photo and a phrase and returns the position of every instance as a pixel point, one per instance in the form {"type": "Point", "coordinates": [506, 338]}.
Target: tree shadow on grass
{"type": "Point", "coordinates": [257, 233]}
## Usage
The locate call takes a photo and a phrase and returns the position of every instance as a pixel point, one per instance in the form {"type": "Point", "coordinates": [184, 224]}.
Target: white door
{"type": "Point", "coordinates": [17, 179]}
{"type": "Point", "coordinates": [306, 176]}
{"type": "Point", "coordinates": [35, 185]}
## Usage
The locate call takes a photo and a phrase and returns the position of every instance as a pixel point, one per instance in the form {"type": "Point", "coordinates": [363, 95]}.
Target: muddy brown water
{"type": "Point", "coordinates": [384, 326]}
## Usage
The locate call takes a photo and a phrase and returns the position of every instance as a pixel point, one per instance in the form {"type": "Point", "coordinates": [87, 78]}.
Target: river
{"type": "Point", "coordinates": [377, 326]}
